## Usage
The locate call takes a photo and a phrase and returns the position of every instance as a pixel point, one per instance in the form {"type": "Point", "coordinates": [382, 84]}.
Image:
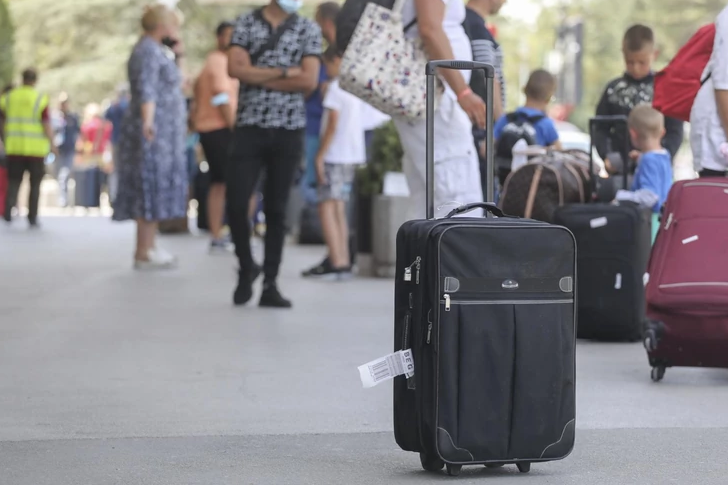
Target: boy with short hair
{"type": "Point", "coordinates": [634, 87]}
{"type": "Point", "coordinates": [341, 150]}
{"type": "Point", "coordinates": [529, 123]}
{"type": "Point", "coordinates": [653, 177]}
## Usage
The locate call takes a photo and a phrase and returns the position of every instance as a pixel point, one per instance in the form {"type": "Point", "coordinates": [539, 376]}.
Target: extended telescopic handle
{"type": "Point", "coordinates": [431, 70]}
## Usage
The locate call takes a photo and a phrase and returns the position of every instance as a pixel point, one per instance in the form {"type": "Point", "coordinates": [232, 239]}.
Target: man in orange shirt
{"type": "Point", "coordinates": [216, 99]}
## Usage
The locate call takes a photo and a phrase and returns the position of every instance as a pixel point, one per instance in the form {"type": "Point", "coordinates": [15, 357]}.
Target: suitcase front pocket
{"type": "Point", "coordinates": [506, 378]}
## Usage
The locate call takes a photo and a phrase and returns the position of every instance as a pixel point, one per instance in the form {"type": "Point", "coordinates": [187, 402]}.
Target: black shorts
{"type": "Point", "coordinates": [216, 145]}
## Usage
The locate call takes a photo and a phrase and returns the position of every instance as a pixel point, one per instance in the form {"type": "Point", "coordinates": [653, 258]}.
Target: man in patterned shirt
{"type": "Point", "coordinates": [276, 56]}
{"type": "Point", "coordinates": [636, 86]}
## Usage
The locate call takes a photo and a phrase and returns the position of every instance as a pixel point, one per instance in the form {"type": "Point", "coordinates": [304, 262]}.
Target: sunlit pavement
{"type": "Point", "coordinates": [108, 376]}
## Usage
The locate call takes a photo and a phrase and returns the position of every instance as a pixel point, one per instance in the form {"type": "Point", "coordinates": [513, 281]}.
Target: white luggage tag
{"type": "Point", "coordinates": [387, 368]}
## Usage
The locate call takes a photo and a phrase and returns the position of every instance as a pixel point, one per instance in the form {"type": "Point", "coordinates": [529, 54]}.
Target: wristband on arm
{"type": "Point", "coordinates": [220, 99]}
{"type": "Point", "coordinates": [465, 92]}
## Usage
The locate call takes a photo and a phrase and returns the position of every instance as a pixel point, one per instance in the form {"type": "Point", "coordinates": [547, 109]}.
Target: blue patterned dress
{"type": "Point", "coordinates": [153, 178]}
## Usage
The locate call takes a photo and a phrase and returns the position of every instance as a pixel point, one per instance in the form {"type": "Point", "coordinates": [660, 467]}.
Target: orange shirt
{"type": "Point", "coordinates": [213, 80]}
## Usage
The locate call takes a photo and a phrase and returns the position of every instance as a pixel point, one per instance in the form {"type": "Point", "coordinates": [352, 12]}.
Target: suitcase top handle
{"type": "Point", "coordinates": [432, 66]}
{"type": "Point", "coordinates": [487, 206]}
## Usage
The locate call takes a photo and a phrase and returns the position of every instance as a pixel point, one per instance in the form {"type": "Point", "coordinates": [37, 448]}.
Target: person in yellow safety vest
{"type": "Point", "coordinates": [28, 140]}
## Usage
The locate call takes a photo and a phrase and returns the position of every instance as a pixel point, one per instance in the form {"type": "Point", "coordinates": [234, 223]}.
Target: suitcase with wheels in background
{"type": "Point", "coordinates": [687, 281]}
{"type": "Point", "coordinates": [614, 246]}
{"type": "Point", "coordinates": [88, 187]}
{"type": "Point", "coordinates": [487, 307]}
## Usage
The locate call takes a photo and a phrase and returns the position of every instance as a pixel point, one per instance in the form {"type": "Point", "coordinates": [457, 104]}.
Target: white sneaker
{"type": "Point", "coordinates": [159, 259]}
{"type": "Point", "coordinates": [221, 246]}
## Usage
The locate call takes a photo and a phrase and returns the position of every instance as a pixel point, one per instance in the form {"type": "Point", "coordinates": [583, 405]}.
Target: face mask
{"type": "Point", "coordinates": [290, 6]}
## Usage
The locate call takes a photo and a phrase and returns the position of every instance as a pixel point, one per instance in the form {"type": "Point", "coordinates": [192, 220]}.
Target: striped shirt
{"type": "Point", "coordinates": [485, 49]}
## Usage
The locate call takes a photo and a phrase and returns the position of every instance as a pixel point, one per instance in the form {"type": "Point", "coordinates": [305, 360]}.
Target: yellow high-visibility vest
{"type": "Point", "coordinates": [24, 134]}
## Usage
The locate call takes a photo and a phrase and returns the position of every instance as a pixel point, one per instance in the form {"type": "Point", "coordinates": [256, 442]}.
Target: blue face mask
{"type": "Point", "coordinates": [290, 6]}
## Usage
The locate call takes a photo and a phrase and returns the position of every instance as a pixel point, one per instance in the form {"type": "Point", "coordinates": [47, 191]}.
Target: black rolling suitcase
{"type": "Point", "coordinates": [88, 187]}
{"type": "Point", "coordinates": [487, 307]}
{"type": "Point", "coordinates": [614, 244]}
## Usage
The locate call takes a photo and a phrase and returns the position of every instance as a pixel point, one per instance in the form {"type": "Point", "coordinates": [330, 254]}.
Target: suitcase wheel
{"type": "Point", "coordinates": [650, 341]}
{"type": "Point", "coordinates": [454, 470]}
{"type": "Point", "coordinates": [658, 373]}
{"type": "Point", "coordinates": [524, 467]}
{"type": "Point", "coordinates": [431, 464]}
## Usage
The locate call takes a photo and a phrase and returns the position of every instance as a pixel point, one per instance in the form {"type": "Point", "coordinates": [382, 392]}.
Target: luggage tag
{"type": "Point", "coordinates": [387, 368]}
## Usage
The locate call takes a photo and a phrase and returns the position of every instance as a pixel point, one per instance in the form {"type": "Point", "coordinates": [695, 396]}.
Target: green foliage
{"type": "Point", "coordinates": [82, 46]}
{"type": "Point", "coordinates": [7, 39]}
{"type": "Point", "coordinates": [386, 157]}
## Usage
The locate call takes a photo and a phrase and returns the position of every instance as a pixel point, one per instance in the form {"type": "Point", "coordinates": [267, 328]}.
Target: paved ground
{"type": "Point", "coordinates": [112, 377]}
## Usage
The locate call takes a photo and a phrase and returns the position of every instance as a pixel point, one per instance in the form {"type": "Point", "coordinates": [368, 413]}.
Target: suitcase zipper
{"type": "Point", "coordinates": [669, 221]}
{"type": "Point", "coordinates": [705, 184]}
{"type": "Point", "coordinates": [448, 301]}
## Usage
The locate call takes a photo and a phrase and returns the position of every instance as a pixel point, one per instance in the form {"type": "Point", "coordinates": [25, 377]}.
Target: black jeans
{"type": "Point", "coordinates": [17, 166]}
{"type": "Point", "coordinates": [707, 173]}
{"type": "Point", "coordinates": [279, 151]}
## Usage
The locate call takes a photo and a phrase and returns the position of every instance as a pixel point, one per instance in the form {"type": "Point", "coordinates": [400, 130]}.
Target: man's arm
{"type": "Point", "coordinates": [437, 45]}
{"type": "Point", "coordinates": [673, 135]}
{"type": "Point", "coordinates": [484, 51]}
{"type": "Point", "coordinates": [48, 130]}
{"type": "Point", "coordinates": [239, 67]}
{"type": "Point", "coordinates": [306, 81]}
{"type": "Point", "coordinates": [220, 88]}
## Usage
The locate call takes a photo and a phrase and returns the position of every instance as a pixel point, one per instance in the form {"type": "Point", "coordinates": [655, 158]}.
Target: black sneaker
{"type": "Point", "coordinates": [272, 298]}
{"type": "Point", "coordinates": [244, 291]}
{"type": "Point", "coordinates": [344, 274]}
{"type": "Point", "coordinates": [322, 269]}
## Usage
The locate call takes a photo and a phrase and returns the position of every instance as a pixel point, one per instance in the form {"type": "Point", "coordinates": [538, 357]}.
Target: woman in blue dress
{"type": "Point", "coordinates": [153, 179]}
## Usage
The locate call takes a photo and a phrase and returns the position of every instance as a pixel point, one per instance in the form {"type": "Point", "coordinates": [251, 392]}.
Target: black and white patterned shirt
{"type": "Point", "coordinates": [262, 107]}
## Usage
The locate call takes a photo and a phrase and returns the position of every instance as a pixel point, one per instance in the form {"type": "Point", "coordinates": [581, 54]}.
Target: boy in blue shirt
{"type": "Point", "coordinates": [653, 177]}
{"type": "Point", "coordinates": [529, 123]}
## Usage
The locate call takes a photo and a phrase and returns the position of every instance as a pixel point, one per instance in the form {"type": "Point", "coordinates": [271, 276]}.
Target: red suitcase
{"type": "Point", "coordinates": [687, 280]}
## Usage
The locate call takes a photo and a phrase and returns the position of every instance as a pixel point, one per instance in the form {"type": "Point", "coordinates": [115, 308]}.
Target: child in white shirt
{"type": "Point", "coordinates": [341, 150]}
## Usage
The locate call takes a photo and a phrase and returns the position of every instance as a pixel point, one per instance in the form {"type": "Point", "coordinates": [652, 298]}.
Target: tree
{"type": "Point", "coordinates": [7, 39]}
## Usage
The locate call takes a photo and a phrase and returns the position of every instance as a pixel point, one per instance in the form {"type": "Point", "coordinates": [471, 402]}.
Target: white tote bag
{"type": "Point", "coordinates": [383, 67]}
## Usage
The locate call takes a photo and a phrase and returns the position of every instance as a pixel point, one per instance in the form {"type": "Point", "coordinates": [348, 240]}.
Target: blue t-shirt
{"type": "Point", "coordinates": [546, 133]}
{"type": "Point", "coordinates": [654, 173]}
{"type": "Point", "coordinates": [315, 107]}
{"type": "Point", "coordinates": [115, 114]}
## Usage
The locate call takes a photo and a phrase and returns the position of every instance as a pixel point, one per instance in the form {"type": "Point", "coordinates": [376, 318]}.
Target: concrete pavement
{"type": "Point", "coordinates": [108, 376]}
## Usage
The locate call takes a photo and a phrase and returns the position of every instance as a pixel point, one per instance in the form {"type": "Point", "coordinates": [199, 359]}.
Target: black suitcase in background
{"type": "Point", "coordinates": [487, 306]}
{"type": "Point", "coordinates": [200, 191]}
{"type": "Point", "coordinates": [614, 244]}
{"type": "Point", "coordinates": [88, 187]}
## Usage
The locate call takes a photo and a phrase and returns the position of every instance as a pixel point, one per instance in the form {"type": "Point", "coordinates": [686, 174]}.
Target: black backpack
{"type": "Point", "coordinates": [519, 126]}
{"type": "Point", "coordinates": [349, 16]}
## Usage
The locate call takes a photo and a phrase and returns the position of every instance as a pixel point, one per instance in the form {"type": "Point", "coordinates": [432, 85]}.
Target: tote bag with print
{"type": "Point", "coordinates": [383, 67]}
